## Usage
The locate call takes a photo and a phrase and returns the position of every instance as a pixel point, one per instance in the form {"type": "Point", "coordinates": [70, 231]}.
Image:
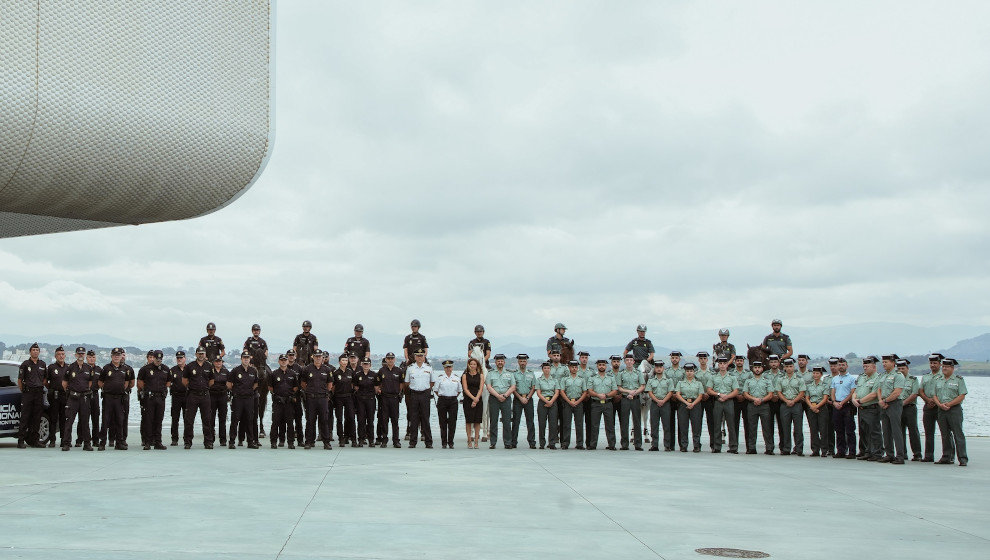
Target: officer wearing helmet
{"type": "Point", "coordinates": [212, 343]}
{"type": "Point", "coordinates": [358, 345]}
{"type": "Point", "coordinates": [777, 342]}
{"type": "Point", "coordinates": [561, 344]}
{"type": "Point", "coordinates": [304, 344]}
{"type": "Point", "coordinates": [481, 343]}
{"type": "Point", "coordinates": [413, 343]}
{"type": "Point", "coordinates": [641, 347]}
{"type": "Point", "coordinates": [724, 349]}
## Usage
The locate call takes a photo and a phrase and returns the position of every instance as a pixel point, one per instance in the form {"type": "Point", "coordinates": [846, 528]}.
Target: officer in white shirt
{"type": "Point", "coordinates": [419, 382]}
{"type": "Point", "coordinates": [448, 392]}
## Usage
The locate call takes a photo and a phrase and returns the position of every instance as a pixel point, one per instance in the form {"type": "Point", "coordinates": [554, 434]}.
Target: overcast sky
{"type": "Point", "coordinates": [684, 165]}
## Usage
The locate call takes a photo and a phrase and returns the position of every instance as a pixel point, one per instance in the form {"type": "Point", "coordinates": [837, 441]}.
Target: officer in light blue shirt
{"type": "Point", "coordinates": [843, 412]}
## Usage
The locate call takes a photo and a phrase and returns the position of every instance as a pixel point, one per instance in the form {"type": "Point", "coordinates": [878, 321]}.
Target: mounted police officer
{"type": "Point", "coordinates": [212, 344]}
{"type": "Point", "coordinates": [304, 345]}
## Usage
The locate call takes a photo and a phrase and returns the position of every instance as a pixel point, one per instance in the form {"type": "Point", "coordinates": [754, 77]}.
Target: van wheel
{"type": "Point", "coordinates": [43, 429]}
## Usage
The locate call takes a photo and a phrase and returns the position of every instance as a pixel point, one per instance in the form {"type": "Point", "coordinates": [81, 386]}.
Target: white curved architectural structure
{"type": "Point", "coordinates": [130, 111]}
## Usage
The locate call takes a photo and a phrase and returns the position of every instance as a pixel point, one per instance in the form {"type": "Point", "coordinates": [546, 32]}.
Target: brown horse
{"type": "Point", "coordinates": [757, 353]}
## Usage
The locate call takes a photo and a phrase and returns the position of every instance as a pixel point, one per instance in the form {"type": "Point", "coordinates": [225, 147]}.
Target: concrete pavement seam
{"type": "Point", "coordinates": [309, 503]}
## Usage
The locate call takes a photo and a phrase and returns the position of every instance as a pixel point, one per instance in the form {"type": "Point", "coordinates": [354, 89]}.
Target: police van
{"type": "Point", "coordinates": [10, 403]}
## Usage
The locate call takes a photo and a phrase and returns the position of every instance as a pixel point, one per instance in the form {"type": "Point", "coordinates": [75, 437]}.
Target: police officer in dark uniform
{"type": "Point", "coordinates": [179, 391]}
{"type": "Point", "coordinates": [31, 382]}
{"type": "Point", "coordinates": [296, 403]}
{"type": "Point", "coordinates": [315, 382]}
{"type": "Point", "coordinates": [304, 345]}
{"type": "Point", "coordinates": [115, 381]}
{"type": "Point", "coordinates": [343, 398]}
{"type": "Point", "coordinates": [258, 349]}
{"type": "Point", "coordinates": [284, 387]}
{"type": "Point", "coordinates": [94, 401]}
{"type": "Point", "coordinates": [243, 383]}
{"type": "Point", "coordinates": [219, 398]}
{"type": "Point", "coordinates": [153, 382]}
{"type": "Point", "coordinates": [212, 344]}
{"type": "Point", "coordinates": [479, 341]}
{"type": "Point", "coordinates": [388, 384]}
{"type": "Point", "coordinates": [365, 401]}
{"type": "Point", "coordinates": [198, 378]}
{"type": "Point", "coordinates": [132, 375]}
{"type": "Point", "coordinates": [358, 345]}
{"type": "Point", "coordinates": [56, 395]}
{"type": "Point", "coordinates": [77, 384]}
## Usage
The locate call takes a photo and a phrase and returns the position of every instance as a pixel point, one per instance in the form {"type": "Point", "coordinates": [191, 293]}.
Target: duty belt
{"type": "Point", "coordinates": [202, 393]}
{"type": "Point", "coordinates": [247, 396]}
{"type": "Point", "coordinates": [419, 392]}
{"type": "Point", "coordinates": [344, 394]}
{"type": "Point", "coordinates": [33, 389]}
{"type": "Point", "coordinates": [106, 394]}
{"type": "Point", "coordinates": [77, 394]}
{"type": "Point", "coordinates": [157, 394]}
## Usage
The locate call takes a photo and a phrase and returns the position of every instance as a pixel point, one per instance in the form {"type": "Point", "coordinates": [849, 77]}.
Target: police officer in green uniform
{"type": "Point", "coordinates": [758, 391]}
{"type": "Point", "coordinates": [704, 374]}
{"type": "Point", "coordinates": [630, 385]}
{"type": "Point", "coordinates": [909, 409]}
{"type": "Point", "coordinates": [676, 374]}
{"type": "Point", "coordinates": [522, 401]}
{"type": "Point", "coordinates": [864, 398]}
{"type": "Point", "coordinates": [790, 388]}
{"type": "Point", "coordinates": [546, 412]}
{"type": "Point", "coordinates": [573, 392]}
{"type": "Point", "coordinates": [739, 415]}
{"type": "Point", "coordinates": [724, 349]}
{"type": "Point", "coordinates": [815, 397]}
{"type": "Point", "coordinates": [586, 371]}
{"type": "Point", "coordinates": [690, 392]}
{"type": "Point", "coordinates": [660, 390]}
{"type": "Point", "coordinates": [929, 412]}
{"type": "Point", "coordinates": [722, 390]}
{"type": "Point", "coordinates": [889, 398]}
{"type": "Point", "coordinates": [601, 389]}
{"type": "Point", "coordinates": [642, 349]}
{"type": "Point", "coordinates": [950, 391]}
{"type": "Point", "coordinates": [500, 383]}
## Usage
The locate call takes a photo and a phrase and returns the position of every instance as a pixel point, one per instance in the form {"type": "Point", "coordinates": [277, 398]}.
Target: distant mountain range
{"type": "Point", "coordinates": [973, 349]}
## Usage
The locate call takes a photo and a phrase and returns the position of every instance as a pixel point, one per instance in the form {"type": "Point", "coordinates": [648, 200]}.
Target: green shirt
{"type": "Point", "coordinates": [630, 379]}
{"type": "Point", "coordinates": [891, 381]}
{"type": "Point", "coordinates": [546, 386]}
{"type": "Point", "coordinates": [602, 384]}
{"type": "Point", "coordinates": [675, 374]}
{"type": "Point", "coordinates": [805, 375]}
{"type": "Point", "coordinates": [705, 376]}
{"type": "Point", "coordinates": [558, 371]}
{"type": "Point", "coordinates": [948, 389]}
{"type": "Point", "coordinates": [928, 383]}
{"type": "Point", "coordinates": [572, 386]}
{"type": "Point", "coordinates": [660, 386]}
{"type": "Point", "coordinates": [500, 380]}
{"type": "Point", "coordinates": [690, 389]}
{"type": "Point", "coordinates": [758, 387]}
{"type": "Point", "coordinates": [910, 387]}
{"type": "Point", "coordinates": [741, 378]}
{"type": "Point", "coordinates": [724, 384]}
{"type": "Point", "coordinates": [525, 380]}
{"type": "Point", "coordinates": [790, 387]}
{"type": "Point", "coordinates": [816, 391]}
{"type": "Point", "coordinates": [866, 384]}
{"type": "Point", "coordinates": [586, 372]}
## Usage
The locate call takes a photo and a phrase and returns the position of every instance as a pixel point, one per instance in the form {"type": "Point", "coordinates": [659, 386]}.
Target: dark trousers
{"type": "Point", "coordinates": [76, 406]}
{"type": "Point", "coordinates": [418, 410]}
{"type": "Point", "coordinates": [630, 407]}
{"type": "Point", "coordinates": [260, 404]}
{"type": "Point", "coordinates": [317, 412]}
{"type": "Point", "coordinates": [32, 404]}
{"type": "Point", "coordinates": [660, 416]}
{"type": "Point", "coordinates": [447, 416]}
{"type": "Point", "coordinates": [695, 417]}
{"type": "Point", "coordinates": [496, 409]}
{"type": "Point", "coordinates": [56, 414]}
{"type": "Point", "coordinates": [708, 405]}
{"type": "Point", "coordinates": [92, 420]}
{"type": "Point", "coordinates": [218, 403]}
{"type": "Point", "coordinates": [113, 415]}
{"type": "Point", "coordinates": [366, 417]}
{"type": "Point", "coordinates": [829, 442]}
{"type": "Point", "coordinates": [586, 405]}
{"type": "Point", "coordinates": [518, 409]}
{"type": "Point", "coordinates": [739, 413]}
{"type": "Point", "coordinates": [242, 416]}
{"type": "Point", "coordinates": [844, 422]}
{"type": "Point", "coordinates": [953, 440]}
{"type": "Point", "coordinates": [723, 412]}
{"type": "Point", "coordinates": [759, 414]}
{"type": "Point", "coordinates": [791, 423]}
{"type": "Point", "coordinates": [152, 416]}
{"type": "Point", "coordinates": [380, 429]}
{"type": "Point", "coordinates": [390, 416]}
{"type": "Point", "coordinates": [297, 416]}
{"type": "Point", "coordinates": [775, 417]}
{"type": "Point", "coordinates": [547, 418]}
{"type": "Point", "coordinates": [282, 420]}
{"type": "Point", "coordinates": [344, 407]}
{"type": "Point", "coordinates": [909, 424]}
{"type": "Point", "coordinates": [600, 410]}
{"type": "Point", "coordinates": [575, 415]}
{"type": "Point", "coordinates": [674, 406]}
{"type": "Point", "coordinates": [893, 434]}
{"type": "Point", "coordinates": [178, 409]}
{"type": "Point", "coordinates": [818, 429]}
{"type": "Point", "coordinates": [929, 419]}
{"type": "Point", "coordinates": [869, 430]}
{"type": "Point", "coordinates": [198, 402]}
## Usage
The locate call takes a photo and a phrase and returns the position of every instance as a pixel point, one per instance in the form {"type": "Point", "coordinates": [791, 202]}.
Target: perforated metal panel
{"type": "Point", "coordinates": [130, 111]}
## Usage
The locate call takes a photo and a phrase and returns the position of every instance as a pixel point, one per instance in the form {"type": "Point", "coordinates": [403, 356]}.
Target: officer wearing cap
{"type": "Point", "coordinates": [724, 349]}
{"type": "Point", "coordinates": [389, 384]}
{"type": "Point", "coordinates": [419, 382]}
{"type": "Point", "coordinates": [132, 375]}
{"type": "Point", "coordinates": [295, 403]}
{"type": "Point", "coordinates": [889, 392]}
{"type": "Point", "coordinates": [950, 392]}
{"type": "Point", "coordinates": [258, 349]}
{"type": "Point", "coordinates": [212, 344]}
{"type": "Point", "coordinates": [758, 390]}
{"type": "Point", "coordinates": [500, 384]}
{"type": "Point", "coordinates": [641, 347]}
{"type": "Point", "coordinates": [115, 382]}
{"type": "Point", "coordinates": [675, 373]}
{"type": "Point", "coordinates": [242, 382]}
{"type": "Point", "coordinates": [815, 397]}
{"type": "Point", "coordinates": [864, 398]}
{"type": "Point", "coordinates": [219, 400]}
{"type": "Point", "coordinates": [54, 376]}
{"type": "Point", "coordinates": [198, 378]}
{"type": "Point", "coordinates": [315, 382]}
{"type": "Point", "coordinates": [153, 380]}
{"type": "Point", "coordinates": [304, 345]}
{"type": "Point", "coordinates": [573, 391]}
{"type": "Point", "coordinates": [365, 403]}
{"type": "Point", "coordinates": [546, 412]}
{"type": "Point", "coordinates": [343, 399]}
{"type": "Point", "coordinates": [94, 401]}
{"type": "Point", "coordinates": [690, 391]}
{"type": "Point", "coordinates": [909, 409]}
{"type": "Point", "coordinates": [929, 412]}
{"type": "Point", "coordinates": [660, 390]}
{"type": "Point", "coordinates": [790, 389]}
{"type": "Point", "coordinates": [601, 389]}
{"type": "Point", "coordinates": [178, 391]}
{"type": "Point", "coordinates": [615, 372]}
{"type": "Point", "coordinates": [283, 387]}
{"type": "Point", "coordinates": [740, 414]}
{"type": "Point", "coordinates": [447, 390]}
{"type": "Point", "coordinates": [483, 345]}
{"type": "Point", "coordinates": [358, 345]}
{"type": "Point", "coordinates": [828, 443]}
{"type": "Point", "coordinates": [777, 342]}
{"type": "Point", "coordinates": [630, 384]}
{"type": "Point", "coordinates": [77, 385]}
{"type": "Point", "coordinates": [722, 389]}
{"type": "Point", "coordinates": [522, 401]}
{"type": "Point", "coordinates": [31, 382]}
{"type": "Point", "coordinates": [586, 371]}
{"type": "Point", "coordinates": [563, 345]}
{"type": "Point", "coordinates": [843, 412]}
{"type": "Point", "coordinates": [150, 361]}
{"type": "Point", "coordinates": [704, 375]}
{"type": "Point", "coordinates": [803, 371]}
